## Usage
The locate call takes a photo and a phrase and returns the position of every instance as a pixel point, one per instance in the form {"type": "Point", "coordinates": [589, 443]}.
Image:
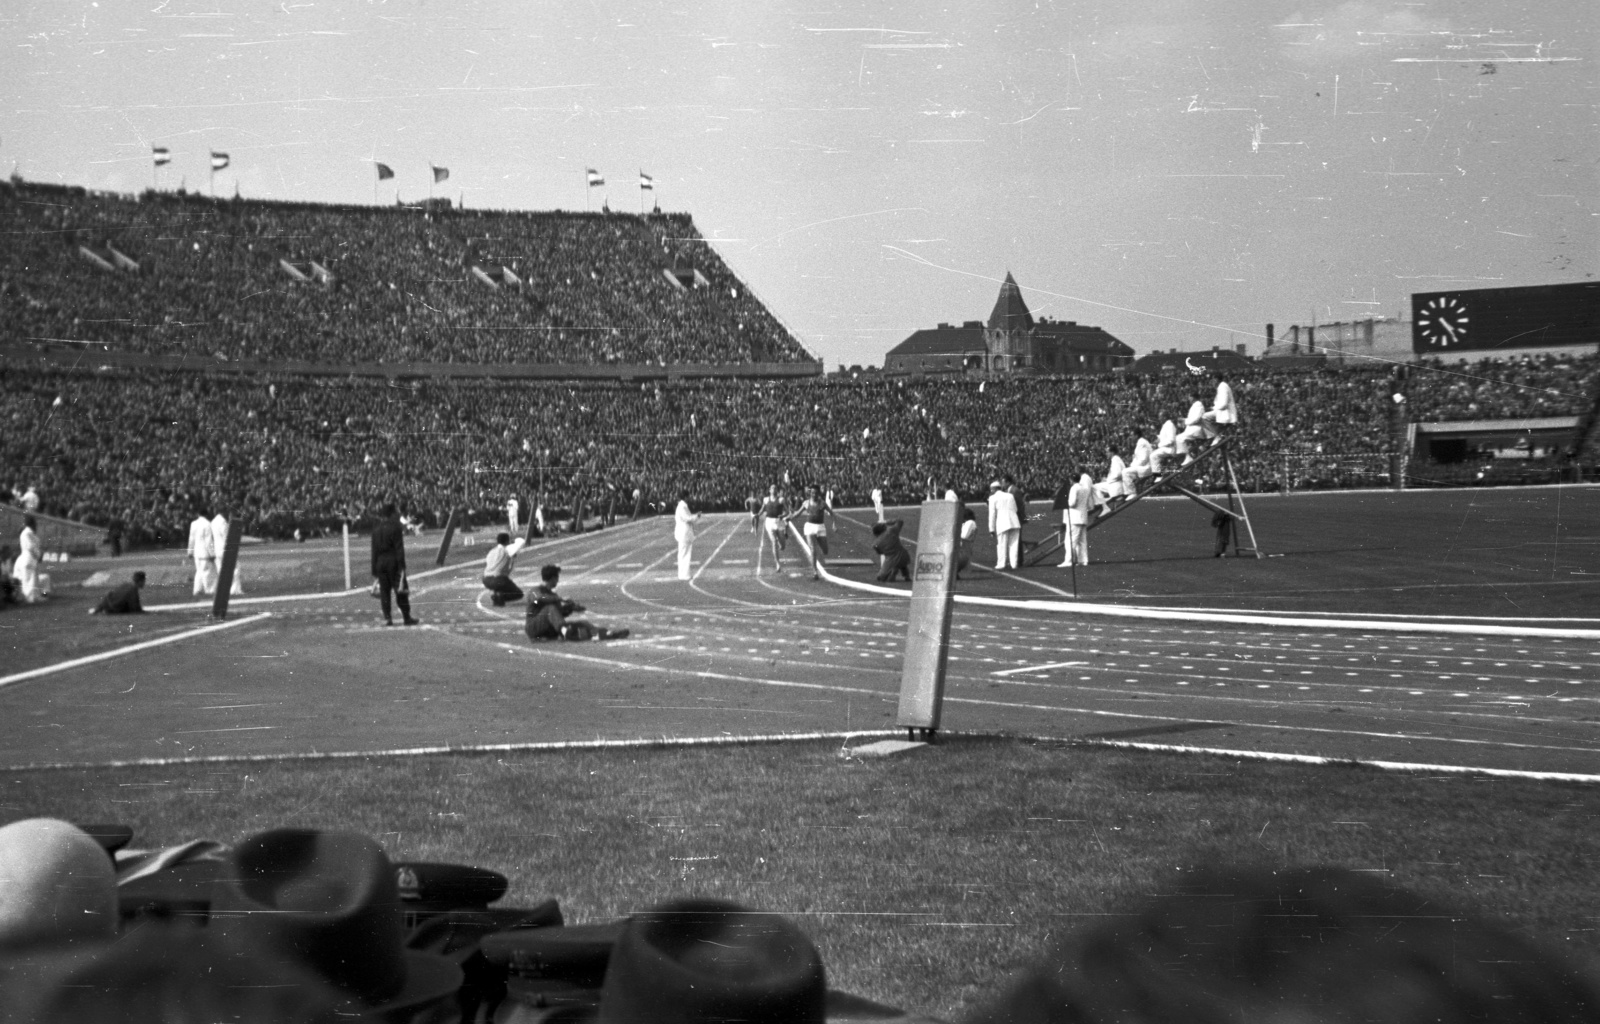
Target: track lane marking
{"type": "Point", "coordinates": [91, 659]}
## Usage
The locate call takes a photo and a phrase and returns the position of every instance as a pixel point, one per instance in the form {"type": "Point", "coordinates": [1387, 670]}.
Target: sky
{"type": "Point", "coordinates": [1179, 172]}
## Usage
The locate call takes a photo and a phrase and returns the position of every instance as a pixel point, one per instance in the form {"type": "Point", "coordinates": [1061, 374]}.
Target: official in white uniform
{"type": "Point", "coordinates": [513, 515]}
{"type": "Point", "coordinates": [1166, 447]}
{"type": "Point", "coordinates": [1006, 525]}
{"type": "Point", "coordinates": [1110, 489]}
{"type": "Point", "coordinates": [1224, 413]}
{"type": "Point", "coordinates": [219, 544]}
{"type": "Point", "coordinates": [1194, 428]}
{"type": "Point", "coordinates": [1080, 505]}
{"type": "Point", "coordinates": [29, 556]}
{"type": "Point", "coordinates": [203, 550]}
{"type": "Point", "coordinates": [1140, 468]}
{"type": "Point", "coordinates": [683, 532]}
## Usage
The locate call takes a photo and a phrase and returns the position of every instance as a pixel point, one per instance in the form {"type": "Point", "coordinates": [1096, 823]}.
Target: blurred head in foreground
{"type": "Point", "coordinates": [1297, 946]}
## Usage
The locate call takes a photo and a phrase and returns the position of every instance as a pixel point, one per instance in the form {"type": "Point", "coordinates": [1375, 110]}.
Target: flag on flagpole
{"type": "Point", "coordinates": [385, 172]}
{"type": "Point", "coordinates": [595, 178]}
{"type": "Point", "coordinates": [160, 155]}
{"type": "Point", "coordinates": [440, 174]}
{"type": "Point", "coordinates": [218, 160]}
{"type": "Point", "coordinates": [645, 181]}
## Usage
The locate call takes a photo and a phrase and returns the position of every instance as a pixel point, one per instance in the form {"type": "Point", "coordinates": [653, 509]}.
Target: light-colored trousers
{"type": "Point", "coordinates": [1006, 545]}
{"type": "Point", "coordinates": [1078, 543]}
{"type": "Point", "coordinates": [205, 576]}
{"type": "Point", "coordinates": [685, 556]}
{"type": "Point", "coordinates": [27, 570]}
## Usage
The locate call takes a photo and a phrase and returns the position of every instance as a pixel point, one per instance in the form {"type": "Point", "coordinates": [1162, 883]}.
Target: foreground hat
{"type": "Point", "coordinates": [56, 884]}
{"type": "Point", "coordinates": [703, 960]}
{"type": "Point", "coordinates": [328, 901]}
{"type": "Point", "coordinates": [699, 960]}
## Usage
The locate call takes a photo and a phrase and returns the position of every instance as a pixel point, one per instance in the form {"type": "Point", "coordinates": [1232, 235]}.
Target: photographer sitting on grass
{"type": "Point", "coordinates": [548, 611]}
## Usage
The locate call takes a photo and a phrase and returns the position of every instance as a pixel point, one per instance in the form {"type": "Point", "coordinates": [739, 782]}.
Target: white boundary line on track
{"type": "Point", "coordinates": [1313, 759]}
{"type": "Point", "coordinates": [547, 746]}
{"type": "Point", "coordinates": [1236, 618]}
{"type": "Point", "coordinates": [130, 649]}
{"type": "Point", "coordinates": [670, 743]}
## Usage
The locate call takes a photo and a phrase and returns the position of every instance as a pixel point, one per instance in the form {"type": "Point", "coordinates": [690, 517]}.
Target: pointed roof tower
{"type": "Point", "coordinates": [1010, 312]}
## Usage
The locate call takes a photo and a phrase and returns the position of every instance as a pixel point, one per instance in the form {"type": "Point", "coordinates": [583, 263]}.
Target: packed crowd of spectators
{"type": "Point", "coordinates": [147, 448]}
{"type": "Point", "coordinates": [210, 282]}
{"type": "Point", "coordinates": [1520, 388]}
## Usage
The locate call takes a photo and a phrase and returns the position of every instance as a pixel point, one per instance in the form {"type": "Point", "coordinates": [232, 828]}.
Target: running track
{"type": "Point", "coordinates": [731, 654]}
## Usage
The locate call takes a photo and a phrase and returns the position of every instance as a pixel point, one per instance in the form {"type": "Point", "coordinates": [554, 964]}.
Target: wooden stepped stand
{"type": "Point", "coordinates": [1176, 480]}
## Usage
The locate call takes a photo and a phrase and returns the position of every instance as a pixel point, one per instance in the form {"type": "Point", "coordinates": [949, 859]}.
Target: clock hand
{"type": "Point", "coordinates": [1446, 325]}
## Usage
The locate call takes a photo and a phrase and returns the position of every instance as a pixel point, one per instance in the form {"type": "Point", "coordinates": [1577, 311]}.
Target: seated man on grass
{"type": "Point", "coordinates": [123, 600]}
{"type": "Point", "coordinates": [548, 614]}
{"type": "Point", "coordinates": [497, 568]}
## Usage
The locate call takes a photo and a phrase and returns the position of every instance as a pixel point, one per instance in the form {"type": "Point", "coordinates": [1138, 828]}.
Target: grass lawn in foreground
{"type": "Point", "coordinates": [923, 878]}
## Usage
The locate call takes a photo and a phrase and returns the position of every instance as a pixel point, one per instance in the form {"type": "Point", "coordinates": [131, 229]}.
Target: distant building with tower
{"type": "Point", "coordinates": [1010, 343]}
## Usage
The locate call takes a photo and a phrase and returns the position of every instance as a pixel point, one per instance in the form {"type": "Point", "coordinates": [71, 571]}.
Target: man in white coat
{"type": "Point", "coordinates": [1006, 525]}
{"type": "Point", "coordinates": [219, 542]}
{"type": "Point", "coordinates": [34, 584]}
{"type": "Point", "coordinates": [1194, 428]}
{"type": "Point", "coordinates": [1140, 468]}
{"type": "Point", "coordinates": [1224, 413]}
{"type": "Point", "coordinates": [1166, 448]}
{"type": "Point", "coordinates": [1080, 506]}
{"type": "Point", "coordinates": [1110, 489]}
{"type": "Point", "coordinates": [203, 550]}
{"type": "Point", "coordinates": [683, 532]}
{"type": "Point", "coordinates": [513, 516]}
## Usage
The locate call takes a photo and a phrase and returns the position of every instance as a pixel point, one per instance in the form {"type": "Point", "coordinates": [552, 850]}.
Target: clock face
{"type": "Point", "coordinates": [1443, 321]}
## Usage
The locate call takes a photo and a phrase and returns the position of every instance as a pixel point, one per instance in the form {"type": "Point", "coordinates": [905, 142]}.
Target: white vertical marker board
{"type": "Point", "coordinates": [933, 575]}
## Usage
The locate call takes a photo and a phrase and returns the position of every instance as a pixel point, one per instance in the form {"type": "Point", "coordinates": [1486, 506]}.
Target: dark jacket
{"type": "Point", "coordinates": [888, 542]}
{"type": "Point", "coordinates": [388, 548]}
{"type": "Point", "coordinates": [123, 600]}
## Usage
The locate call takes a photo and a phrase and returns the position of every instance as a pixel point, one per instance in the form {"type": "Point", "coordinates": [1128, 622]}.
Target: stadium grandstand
{"type": "Point", "coordinates": [179, 275]}
{"type": "Point", "coordinates": [145, 447]}
{"type": "Point", "coordinates": [299, 364]}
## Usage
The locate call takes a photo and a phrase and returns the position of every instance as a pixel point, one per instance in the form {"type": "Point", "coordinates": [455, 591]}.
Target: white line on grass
{"type": "Point", "coordinates": [130, 649]}
{"type": "Point", "coordinates": [1402, 766]}
{"type": "Point", "coordinates": [547, 746]}
{"type": "Point", "coordinates": [1271, 726]}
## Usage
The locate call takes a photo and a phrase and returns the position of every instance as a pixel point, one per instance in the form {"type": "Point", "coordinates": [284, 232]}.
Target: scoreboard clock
{"type": "Point", "coordinates": [1506, 320]}
{"type": "Point", "coordinates": [1442, 321]}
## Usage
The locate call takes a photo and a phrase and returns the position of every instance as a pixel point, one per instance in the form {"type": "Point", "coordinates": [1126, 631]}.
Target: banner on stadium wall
{"type": "Point", "coordinates": [1505, 319]}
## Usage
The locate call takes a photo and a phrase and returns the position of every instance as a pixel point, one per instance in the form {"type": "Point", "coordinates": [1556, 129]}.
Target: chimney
{"type": "Point", "coordinates": [1269, 335]}
{"type": "Point", "coordinates": [1239, 349]}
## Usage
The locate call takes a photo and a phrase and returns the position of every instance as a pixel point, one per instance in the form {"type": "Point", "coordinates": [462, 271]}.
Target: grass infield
{"type": "Point", "coordinates": [924, 878]}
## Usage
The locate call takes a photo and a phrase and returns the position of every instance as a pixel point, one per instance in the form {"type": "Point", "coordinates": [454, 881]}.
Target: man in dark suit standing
{"type": "Point", "coordinates": [389, 565]}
